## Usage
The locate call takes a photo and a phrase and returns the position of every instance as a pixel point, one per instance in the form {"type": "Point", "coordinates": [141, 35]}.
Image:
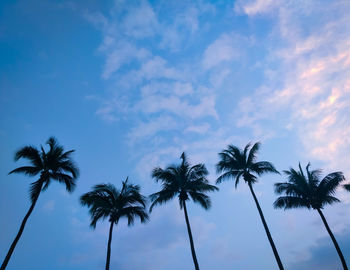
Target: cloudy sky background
{"type": "Point", "coordinates": [132, 84]}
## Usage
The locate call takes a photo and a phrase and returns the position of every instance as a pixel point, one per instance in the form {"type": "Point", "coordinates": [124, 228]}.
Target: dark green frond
{"type": "Point", "coordinates": [28, 170]}
{"type": "Point", "coordinates": [31, 153]}
{"type": "Point", "coordinates": [329, 184]}
{"type": "Point", "coordinates": [35, 189]}
{"type": "Point", "coordinates": [288, 202]}
{"type": "Point", "coordinates": [252, 154]}
{"type": "Point", "coordinates": [161, 197]}
{"type": "Point", "coordinates": [201, 198]}
{"type": "Point", "coordinates": [66, 179]}
{"type": "Point", "coordinates": [329, 200]}
{"type": "Point", "coordinates": [262, 167]}
{"type": "Point", "coordinates": [347, 187]}
{"type": "Point", "coordinates": [133, 212]}
{"type": "Point", "coordinates": [200, 185]}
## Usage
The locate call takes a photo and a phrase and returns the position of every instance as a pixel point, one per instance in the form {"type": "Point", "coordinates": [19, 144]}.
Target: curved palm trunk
{"type": "Point", "coordinates": [109, 246]}
{"type": "Point", "coordinates": [333, 239]}
{"type": "Point", "coordinates": [279, 262]}
{"type": "Point", "coordinates": [191, 239]}
{"type": "Point", "coordinates": [18, 236]}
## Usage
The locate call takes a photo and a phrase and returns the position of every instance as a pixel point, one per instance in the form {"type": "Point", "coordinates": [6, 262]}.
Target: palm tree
{"type": "Point", "coordinates": [187, 182]}
{"type": "Point", "coordinates": [236, 163]}
{"type": "Point", "coordinates": [105, 201]}
{"type": "Point", "coordinates": [54, 164]}
{"type": "Point", "coordinates": [306, 190]}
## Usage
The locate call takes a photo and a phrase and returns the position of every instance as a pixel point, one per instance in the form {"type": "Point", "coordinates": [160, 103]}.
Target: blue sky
{"type": "Point", "coordinates": [132, 84]}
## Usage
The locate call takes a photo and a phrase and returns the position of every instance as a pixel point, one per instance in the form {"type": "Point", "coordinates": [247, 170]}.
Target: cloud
{"type": "Point", "coordinates": [310, 89]}
{"type": "Point", "coordinates": [198, 128]}
{"type": "Point", "coordinates": [255, 6]}
{"type": "Point", "coordinates": [140, 21]}
{"type": "Point", "coordinates": [122, 53]}
{"type": "Point", "coordinates": [323, 255]}
{"type": "Point", "coordinates": [225, 48]}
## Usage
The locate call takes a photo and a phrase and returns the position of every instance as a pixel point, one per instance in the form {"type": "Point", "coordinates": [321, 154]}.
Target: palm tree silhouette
{"type": "Point", "coordinates": [187, 182]}
{"type": "Point", "coordinates": [106, 201]}
{"type": "Point", "coordinates": [306, 190]}
{"type": "Point", "coordinates": [54, 164]}
{"type": "Point", "coordinates": [236, 163]}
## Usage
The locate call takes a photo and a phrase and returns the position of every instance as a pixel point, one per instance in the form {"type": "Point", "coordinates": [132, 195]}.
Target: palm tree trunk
{"type": "Point", "coordinates": [280, 265]}
{"type": "Point", "coordinates": [191, 239]}
{"type": "Point", "coordinates": [18, 236]}
{"type": "Point", "coordinates": [109, 246]}
{"type": "Point", "coordinates": [333, 239]}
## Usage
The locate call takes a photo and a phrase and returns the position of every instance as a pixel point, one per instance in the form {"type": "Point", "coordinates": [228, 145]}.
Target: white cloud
{"type": "Point", "coordinates": [313, 92]}
{"type": "Point", "coordinates": [225, 48]}
{"type": "Point", "coordinates": [120, 53]}
{"type": "Point", "coordinates": [140, 21]}
{"type": "Point", "coordinates": [201, 129]}
{"type": "Point", "coordinates": [255, 6]}
{"type": "Point", "coordinates": [144, 130]}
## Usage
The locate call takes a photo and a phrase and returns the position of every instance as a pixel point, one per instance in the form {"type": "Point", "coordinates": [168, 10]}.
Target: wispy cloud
{"type": "Point", "coordinates": [313, 86]}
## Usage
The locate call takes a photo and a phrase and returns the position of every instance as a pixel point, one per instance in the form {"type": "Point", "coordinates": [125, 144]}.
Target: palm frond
{"type": "Point", "coordinates": [66, 179]}
{"type": "Point", "coordinates": [161, 197]}
{"type": "Point", "coordinates": [201, 198]}
{"type": "Point", "coordinates": [252, 154]}
{"type": "Point", "coordinates": [288, 202]}
{"type": "Point", "coordinates": [329, 184]}
{"type": "Point", "coordinates": [347, 187]}
{"type": "Point", "coordinates": [31, 153]}
{"type": "Point", "coordinates": [262, 167]}
{"type": "Point", "coordinates": [132, 212]}
{"type": "Point", "coordinates": [35, 189]}
{"type": "Point", "coordinates": [28, 170]}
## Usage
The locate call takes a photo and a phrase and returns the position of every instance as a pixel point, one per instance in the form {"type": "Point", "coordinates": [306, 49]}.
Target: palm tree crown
{"type": "Point", "coordinates": [236, 163]}
{"type": "Point", "coordinates": [183, 180]}
{"type": "Point", "coordinates": [106, 201]}
{"type": "Point", "coordinates": [54, 164]}
{"type": "Point", "coordinates": [307, 190]}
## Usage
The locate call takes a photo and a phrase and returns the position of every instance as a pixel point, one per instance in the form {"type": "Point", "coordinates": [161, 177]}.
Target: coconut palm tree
{"type": "Point", "coordinates": [236, 163]}
{"type": "Point", "coordinates": [106, 201]}
{"type": "Point", "coordinates": [184, 181]}
{"type": "Point", "coordinates": [307, 190]}
{"type": "Point", "coordinates": [54, 164]}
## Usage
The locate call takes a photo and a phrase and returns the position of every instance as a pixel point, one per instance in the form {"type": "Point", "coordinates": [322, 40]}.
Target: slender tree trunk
{"type": "Point", "coordinates": [280, 265]}
{"type": "Point", "coordinates": [109, 246]}
{"type": "Point", "coordinates": [18, 236]}
{"type": "Point", "coordinates": [333, 239]}
{"type": "Point", "coordinates": [191, 239]}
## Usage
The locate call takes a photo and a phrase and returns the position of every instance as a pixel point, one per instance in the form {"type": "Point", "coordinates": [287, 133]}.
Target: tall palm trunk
{"type": "Point", "coordinates": [280, 265]}
{"type": "Point", "coordinates": [18, 236]}
{"type": "Point", "coordinates": [109, 246]}
{"type": "Point", "coordinates": [191, 239]}
{"type": "Point", "coordinates": [333, 239]}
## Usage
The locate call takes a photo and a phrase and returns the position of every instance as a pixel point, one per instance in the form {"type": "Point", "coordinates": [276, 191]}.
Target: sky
{"type": "Point", "coordinates": [130, 85]}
